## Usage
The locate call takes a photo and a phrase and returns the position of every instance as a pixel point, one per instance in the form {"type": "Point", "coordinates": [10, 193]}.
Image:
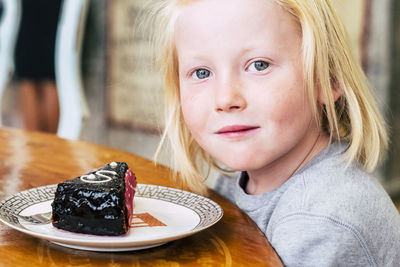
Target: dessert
{"type": "Point", "coordinates": [98, 203]}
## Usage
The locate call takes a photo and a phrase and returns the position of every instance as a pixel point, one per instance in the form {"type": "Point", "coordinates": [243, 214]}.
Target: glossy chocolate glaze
{"type": "Point", "coordinates": [94, 203]}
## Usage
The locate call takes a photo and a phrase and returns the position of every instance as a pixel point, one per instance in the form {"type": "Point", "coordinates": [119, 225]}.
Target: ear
{"type": "Point", "coordinates": [336, 93]}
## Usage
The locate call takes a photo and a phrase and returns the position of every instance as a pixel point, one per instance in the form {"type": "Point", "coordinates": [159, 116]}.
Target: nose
{"type": "Point", "coordinates": [229, 95]}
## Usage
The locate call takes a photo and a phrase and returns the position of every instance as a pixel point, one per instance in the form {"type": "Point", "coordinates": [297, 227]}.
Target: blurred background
{"type": "Point", "coordinates": [120, 100]}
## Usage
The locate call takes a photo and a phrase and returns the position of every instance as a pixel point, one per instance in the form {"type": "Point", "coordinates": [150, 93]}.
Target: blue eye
{"type": "Point", "coordinates": [258, 65]}
{"type": "Point", "coordinates": [201, 74]}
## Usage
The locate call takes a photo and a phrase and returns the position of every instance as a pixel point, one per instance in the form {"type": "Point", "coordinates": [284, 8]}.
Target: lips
{"type": "Point", "coordinates": [236, 129]}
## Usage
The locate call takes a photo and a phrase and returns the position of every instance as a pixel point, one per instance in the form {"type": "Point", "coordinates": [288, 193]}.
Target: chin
{"type": "Point", "coordinates": [239, 164]}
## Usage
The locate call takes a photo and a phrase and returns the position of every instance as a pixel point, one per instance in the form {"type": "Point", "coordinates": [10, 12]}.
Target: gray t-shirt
{"type": "Point", "coordinates": [324, 215]}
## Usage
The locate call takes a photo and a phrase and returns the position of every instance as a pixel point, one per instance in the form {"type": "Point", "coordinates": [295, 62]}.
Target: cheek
{"type": "Point", "coordinates": [189, 115]}
{"type": "Point", "coordinates": [192, 110]}
{"type": "Point", "coordinates": [287, 105]}
{"type": "Point", "coordinates": [290, 108]}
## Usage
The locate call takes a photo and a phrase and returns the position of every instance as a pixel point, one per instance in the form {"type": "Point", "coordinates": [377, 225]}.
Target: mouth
{"type": "Point", "coordinates": [234, 130]}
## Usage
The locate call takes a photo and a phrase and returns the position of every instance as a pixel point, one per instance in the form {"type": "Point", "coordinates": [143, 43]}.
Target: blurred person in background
{"type": "Point", "coordinates": [34, 65]}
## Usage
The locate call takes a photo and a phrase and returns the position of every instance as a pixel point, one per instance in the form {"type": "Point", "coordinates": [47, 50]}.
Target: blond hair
{"type": "Point", "coordinates": [328, 65]}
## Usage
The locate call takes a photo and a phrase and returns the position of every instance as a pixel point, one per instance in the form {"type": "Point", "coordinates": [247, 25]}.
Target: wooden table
{"type": "Point", "coordinates": [32, 159]}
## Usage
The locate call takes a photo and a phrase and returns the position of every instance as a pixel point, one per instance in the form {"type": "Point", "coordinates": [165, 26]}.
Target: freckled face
{"type": "Point", "coordinates": [241, 85]}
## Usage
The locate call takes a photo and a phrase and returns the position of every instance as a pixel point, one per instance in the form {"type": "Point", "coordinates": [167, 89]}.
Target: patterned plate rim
{"type": "Point", "coordinates": [209, 213]}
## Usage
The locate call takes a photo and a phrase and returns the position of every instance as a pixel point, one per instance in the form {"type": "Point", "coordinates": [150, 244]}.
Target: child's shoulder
{"type": "Point", "coordinates": [340, 202]}
{"type": "Point", "coordinates": [331, 186]}
{"type": "Point", "coordinates": [347, 192]}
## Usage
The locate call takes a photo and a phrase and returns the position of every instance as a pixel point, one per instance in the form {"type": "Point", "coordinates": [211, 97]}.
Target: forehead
{"type": "Point", "coordinates": [216, 20]}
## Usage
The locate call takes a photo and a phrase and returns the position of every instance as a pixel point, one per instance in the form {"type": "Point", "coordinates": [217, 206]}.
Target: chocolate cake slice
{"type": "Point", "coordinates": [98, 203]}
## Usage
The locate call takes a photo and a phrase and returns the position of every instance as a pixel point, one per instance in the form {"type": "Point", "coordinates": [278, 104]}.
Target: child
{"type": "Point", "coordinates": [270, 88]}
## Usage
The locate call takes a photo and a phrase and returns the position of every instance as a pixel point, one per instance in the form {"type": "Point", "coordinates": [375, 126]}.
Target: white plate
{"type": "Point", "coordinates": [162, 214]}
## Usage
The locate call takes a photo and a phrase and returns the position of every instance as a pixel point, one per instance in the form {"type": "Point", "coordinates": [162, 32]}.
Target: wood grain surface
{"type": "Point", "coordinates": [32, 159]}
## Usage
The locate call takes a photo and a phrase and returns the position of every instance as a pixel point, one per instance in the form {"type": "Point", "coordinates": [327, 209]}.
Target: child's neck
{"type": "Point", "coordinates": [277, 173]}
